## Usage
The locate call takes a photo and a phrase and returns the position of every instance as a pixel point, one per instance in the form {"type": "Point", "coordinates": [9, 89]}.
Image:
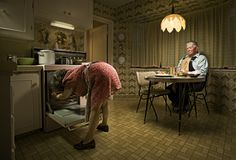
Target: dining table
{"type": "Point", "coordinates": [183, 82]}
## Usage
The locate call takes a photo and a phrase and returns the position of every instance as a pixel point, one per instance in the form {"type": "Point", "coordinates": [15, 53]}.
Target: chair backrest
{"type": "Point", "coordinates": [141, 77]}
{"type": "Point", "coordinates": [205, 85]}
{"type": "Point", "coordinates": [201, 86]}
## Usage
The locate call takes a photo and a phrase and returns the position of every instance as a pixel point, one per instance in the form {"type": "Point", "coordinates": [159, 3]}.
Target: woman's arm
{"type": "Point", "coordinates": [65, 94]}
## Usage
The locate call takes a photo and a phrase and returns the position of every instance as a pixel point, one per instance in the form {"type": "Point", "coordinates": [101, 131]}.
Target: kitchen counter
{"type": "Point", "coordinates": [29, 68]}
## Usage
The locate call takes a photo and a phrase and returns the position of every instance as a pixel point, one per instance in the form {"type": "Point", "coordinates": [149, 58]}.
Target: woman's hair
{"type": "Point", "coordinates": [56, 79]}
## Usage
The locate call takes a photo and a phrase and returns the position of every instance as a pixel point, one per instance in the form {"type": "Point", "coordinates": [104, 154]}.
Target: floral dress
{"type": "Point", "coordinates": [98, 79]}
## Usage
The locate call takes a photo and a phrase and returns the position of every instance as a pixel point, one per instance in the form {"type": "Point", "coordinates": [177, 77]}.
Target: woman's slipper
{"type": "Point", "coordinates": [104, 128]}
{"type": "Point", "coordinates": [82, 146]}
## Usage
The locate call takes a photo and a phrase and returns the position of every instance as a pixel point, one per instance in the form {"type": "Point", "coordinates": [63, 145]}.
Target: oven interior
{"type": "Point", "coordinates": [67, 113]}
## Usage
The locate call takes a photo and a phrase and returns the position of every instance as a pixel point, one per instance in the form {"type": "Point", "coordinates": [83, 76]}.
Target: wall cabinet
{"type": "Point", "coordinates": [17, 19]}
{"type": "Point", "coordinates": [26, 96]}
{"type": "Point", "coordinates": [76, 12]}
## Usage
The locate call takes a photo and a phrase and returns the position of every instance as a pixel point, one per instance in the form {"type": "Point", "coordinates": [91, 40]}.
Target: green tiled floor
{"type": "Point", "coordinates": [210, 137]}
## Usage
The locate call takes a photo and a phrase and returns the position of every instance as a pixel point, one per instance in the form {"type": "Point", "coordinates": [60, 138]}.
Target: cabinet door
{"type": "Point", "coordinates": [27, 102]}
{"type": "Point", "coordinates": [76, 12]}
{"type": "Point", "coordinates": [17, 19]}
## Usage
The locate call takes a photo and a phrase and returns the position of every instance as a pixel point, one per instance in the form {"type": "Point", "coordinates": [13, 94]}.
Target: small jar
{"type": "Point", "coordinates": [12, 58]}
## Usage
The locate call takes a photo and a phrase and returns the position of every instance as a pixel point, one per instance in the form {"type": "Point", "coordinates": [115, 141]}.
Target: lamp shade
{"type": "Point", "coordinates": [173, 21]}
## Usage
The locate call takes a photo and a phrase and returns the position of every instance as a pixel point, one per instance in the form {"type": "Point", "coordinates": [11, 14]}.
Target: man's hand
{"type": "Point", "coordinates": [184, 73]}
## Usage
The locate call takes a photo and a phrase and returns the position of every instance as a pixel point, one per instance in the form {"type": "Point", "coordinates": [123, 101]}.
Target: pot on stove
{"type": "Point", "coordinates": [46, 57]}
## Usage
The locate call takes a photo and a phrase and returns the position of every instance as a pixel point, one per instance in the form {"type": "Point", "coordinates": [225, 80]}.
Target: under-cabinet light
{"type": "Point", "coordinates": [62, 25]}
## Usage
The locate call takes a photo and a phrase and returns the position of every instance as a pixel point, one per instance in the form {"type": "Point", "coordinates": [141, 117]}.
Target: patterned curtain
{"type": "Point", "coordinates": [210, 28]}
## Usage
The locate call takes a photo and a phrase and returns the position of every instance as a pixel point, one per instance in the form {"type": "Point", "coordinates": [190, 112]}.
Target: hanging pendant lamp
{"type": "Point", "coordinates": [173, 21]}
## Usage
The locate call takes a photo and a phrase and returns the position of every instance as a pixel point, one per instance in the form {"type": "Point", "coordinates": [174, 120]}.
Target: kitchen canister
{"type": "Point", "coordinates": [46, 57]}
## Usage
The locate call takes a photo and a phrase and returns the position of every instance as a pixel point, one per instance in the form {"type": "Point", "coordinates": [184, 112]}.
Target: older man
{"type": "Point", "coordinates": [192, 63]}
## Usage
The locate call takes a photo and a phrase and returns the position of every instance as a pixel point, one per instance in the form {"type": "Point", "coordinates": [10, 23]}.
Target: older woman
{"type": "Point", "coordinates": [99, 81]}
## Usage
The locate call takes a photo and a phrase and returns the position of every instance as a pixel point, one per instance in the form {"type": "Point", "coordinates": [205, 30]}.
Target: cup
{"type": "Point", "coordinates": [177, 70]}
{"type": "Point", "coordinates": [172, 70]}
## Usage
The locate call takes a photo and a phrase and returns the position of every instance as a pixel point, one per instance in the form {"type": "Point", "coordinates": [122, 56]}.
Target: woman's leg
{"type": "Point", "coordinates": [88, 107]}
{"type": "Point", "coordinates": [94, 119]}
{"type": "Point", "coordinates": [93, 122]}
{"type": "Point", "coordinates": [105, 113]}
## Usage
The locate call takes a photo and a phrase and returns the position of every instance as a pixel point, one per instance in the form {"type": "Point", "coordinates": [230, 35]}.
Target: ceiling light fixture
{"type": "Point", "coordinates": [62, 25]}
{"type": "Point", "coordinates": [173, 21]}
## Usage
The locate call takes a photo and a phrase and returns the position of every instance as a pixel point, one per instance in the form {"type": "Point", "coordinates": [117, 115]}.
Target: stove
{"type": "Point", "coordinates": [63, 57]}
{"type": "Point", "coordinates": [70, 113]}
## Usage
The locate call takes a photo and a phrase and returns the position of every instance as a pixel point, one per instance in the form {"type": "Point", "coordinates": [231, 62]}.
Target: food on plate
{"type": "Point", "coordinates": [162, 72]}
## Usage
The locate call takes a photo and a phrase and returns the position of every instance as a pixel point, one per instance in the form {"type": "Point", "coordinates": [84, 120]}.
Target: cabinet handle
{"type": "Point", "coordinates": [67, 13]}
{"type": "Point", "coordinates": [34, 85]}
{"type": "Point", "coordinates": [4, 11]}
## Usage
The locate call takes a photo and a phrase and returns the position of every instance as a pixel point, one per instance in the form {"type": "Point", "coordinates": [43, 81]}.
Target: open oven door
{"type": "Point", "coordinates": [69, 116]}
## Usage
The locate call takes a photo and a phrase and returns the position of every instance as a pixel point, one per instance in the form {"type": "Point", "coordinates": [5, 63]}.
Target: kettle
{"type": "Point", "coordinates": [46, 57]}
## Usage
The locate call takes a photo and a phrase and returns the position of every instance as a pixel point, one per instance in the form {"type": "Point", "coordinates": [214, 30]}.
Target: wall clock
{"type": "Point", "coordinates": [121, 36]}
{"type": "Point", "coordinates": [121, 59]}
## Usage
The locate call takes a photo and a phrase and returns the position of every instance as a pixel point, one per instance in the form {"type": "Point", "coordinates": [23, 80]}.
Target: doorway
{"type": "Point", "coordinates": [100, 40]}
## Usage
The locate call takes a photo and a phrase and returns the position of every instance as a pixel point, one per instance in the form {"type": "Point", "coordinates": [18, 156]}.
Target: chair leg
{"type": "Point", "coordinates": [139, 103]}
{"type": "Point", "coordinates": [154, 108]}
{"type": "Point", "coordinates": [191, 106]}
{"type": "Point", "coordinates": [167, 106]}
{"type": "Point", "coordinates": [194, 104]}
{"type": "Point", "coordinates": [206, 104]}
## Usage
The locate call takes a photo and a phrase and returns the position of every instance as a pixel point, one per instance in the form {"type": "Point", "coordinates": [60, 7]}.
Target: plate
{"type": "Point", "coordinates": [193, 75]}
{"type": "Point", "coordinates": [163, 75]}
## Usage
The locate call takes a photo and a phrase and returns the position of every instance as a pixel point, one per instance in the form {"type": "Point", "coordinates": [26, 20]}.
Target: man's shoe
{"type": "Point", "coordinates": [176, 109]}
{"type": "Point", "coordinates": [187, 108]}
{"type": "Point", "coordinates": [81, 146]}
{"type": "Point", "coordinates": [104, 128]}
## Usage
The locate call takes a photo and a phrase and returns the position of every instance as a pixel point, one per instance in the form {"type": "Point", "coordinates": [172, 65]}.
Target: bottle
{"type": "Point", "coordinates": [160, 65]}
{"type": "Point", "coordinates": [56, 45]}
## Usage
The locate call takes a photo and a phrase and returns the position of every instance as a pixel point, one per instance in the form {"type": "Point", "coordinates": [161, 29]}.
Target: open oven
{"type": "Point", "coordinates": [69, 113]}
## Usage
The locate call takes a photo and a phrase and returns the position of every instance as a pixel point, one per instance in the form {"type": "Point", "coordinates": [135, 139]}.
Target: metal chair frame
{"type": "Point", "coordinates": [197, 96]}
{"type": "Point", "coordinates": [143, 91]}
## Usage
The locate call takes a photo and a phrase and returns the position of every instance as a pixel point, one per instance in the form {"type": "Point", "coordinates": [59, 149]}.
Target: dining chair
{"type": "Point", "coordinates": [198, 95]}
{"type": "Point", "coordinates": [154, 92]}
